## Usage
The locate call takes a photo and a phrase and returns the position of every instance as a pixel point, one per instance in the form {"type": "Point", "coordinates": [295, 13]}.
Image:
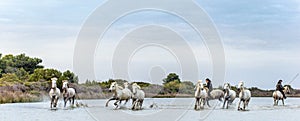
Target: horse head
{"type": "Point", "coordinates": [65, 86]}
{"type": "Point", "coordinates": [226, 86]}
{"type": "Point", "coordinates": [240, 85]}
{"type": "Point", "coordinates": [53, 80]}
{"type": "Point", "coordinates": [126, 84]}
{"type": "Point", "coordinates": [287, 89]}
{"type": "Point", "coordinates": [200, 85]}
{"type": "Point", "coordinates": [135, 86]}
{"type": "Point", "coordinates": [113, 86]}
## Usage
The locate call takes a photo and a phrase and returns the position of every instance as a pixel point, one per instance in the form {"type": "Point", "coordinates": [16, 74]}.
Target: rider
{"type": "Point", "coordinates": [280, 88]}
{"type": "Point", "coordinates": [209, 86]}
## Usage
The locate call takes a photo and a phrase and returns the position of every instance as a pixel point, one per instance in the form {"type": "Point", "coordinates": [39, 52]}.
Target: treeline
{"type": "Point", "coordinates": [172, 86]}
{"type": "Point", "coordinates": [24, 79]}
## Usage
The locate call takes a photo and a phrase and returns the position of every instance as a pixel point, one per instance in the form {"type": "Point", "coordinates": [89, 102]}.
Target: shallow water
{"type": "Point", "coordinates": [168, 109]}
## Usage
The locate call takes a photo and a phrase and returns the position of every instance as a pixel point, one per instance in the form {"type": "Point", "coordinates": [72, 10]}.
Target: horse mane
{"type": "Point", "coordinates": [139, 87]}
{"type": "Point", "coordinates": [120, 87]}
{"type": "Point", "coordinates": [135, 84]}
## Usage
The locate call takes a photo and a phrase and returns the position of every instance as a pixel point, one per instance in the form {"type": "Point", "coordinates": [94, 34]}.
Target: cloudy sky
{"type": "Point", "coordinates": [261, 39]}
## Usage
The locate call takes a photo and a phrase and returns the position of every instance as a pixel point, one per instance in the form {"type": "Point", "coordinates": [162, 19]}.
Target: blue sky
{"type": "Point", "coordinates": [261, 38]}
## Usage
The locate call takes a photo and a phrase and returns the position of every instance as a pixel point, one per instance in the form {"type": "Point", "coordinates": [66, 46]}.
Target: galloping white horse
{"type": "Point", "coordinates": [214, 94]}
{"type": "Point", "coordinates": [54, 93]}
{"type": "Point", "coordinates": [200, 95]}
{"type": "Point", "coordinates": [229, 95]}
{"type": "Point", "coordinates": [278, 96]}
{"type": "Point", "coordinates": [119, 94]}
{"type": "Point", "coordinates": [244, 96]}
{"type": "Point", "coordinates": [138, 97]}
{"type": "Point", "coordinates": [68, 93]}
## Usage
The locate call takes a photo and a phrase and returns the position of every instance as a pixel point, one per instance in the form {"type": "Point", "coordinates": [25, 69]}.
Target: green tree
{"type": "Point", "coordinates": [29, 64]}
{"type": "Point", "coordinates": [1, 65]}
{"type": "Point", "coordinates": [187, 87]}
{"type": "Point", "coordinates": [172, 87]}
{"type": "Point", "coordinates": [171, 83]}
{"type": "Point", "coordinates": [143, 84]}
{"type": "Point", "coordinates": [171, 77]}
{"type": "Point", "coordinates": [22, 74]}
{"type": "Point", "coordinates": [70, 76]}
{"type": "Point", "coordinates": [10, 63]}
{"type": "Point", "coordinates": [9, 78]}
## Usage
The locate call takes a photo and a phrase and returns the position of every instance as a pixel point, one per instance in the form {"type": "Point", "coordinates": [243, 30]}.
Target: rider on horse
{"type": "Point", "coordinates": [280, 88]}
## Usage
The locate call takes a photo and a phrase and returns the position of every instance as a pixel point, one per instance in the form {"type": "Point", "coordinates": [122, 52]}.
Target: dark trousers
{"type": "Point", "coordinates": [209, 93]}
{"type": "Point", "coordinates": [282, 93]}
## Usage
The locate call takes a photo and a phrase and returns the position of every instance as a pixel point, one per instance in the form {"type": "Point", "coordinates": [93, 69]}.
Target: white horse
{"type": "Point", "coordinates": [214, 94]}
{"type": "Point", "coordinates": [68, 93]}
{"type": "Point", "coordinates": [54, 93]}
{"type": "Point", "coordinates": [138, 97]}
{"type": "Point", "coordinates": [120, 94]}
{"type": "Point", "coordinates": [244, 96]}
{"type": "Point", "coordinates": [200, 95]}
{"type": "Point", "coordinates": [229, 95]}
{"type": "Point", "coordinates": [277, 95]}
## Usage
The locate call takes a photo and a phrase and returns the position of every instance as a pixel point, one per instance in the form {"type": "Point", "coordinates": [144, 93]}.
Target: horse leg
{"type": "Point", "coordinates": [126, 101]}
{"type": "Point", "coordinates": [227, 104]}
{"type": "Point", "coordinates": [133, 104]}
{"type": "Point", "coordinates": [200, 103]}
{"type": "Point", "coordinates": [220, 98]}
{"type": "Point", "coordinates": [141, 103]}
{"type": "Point", "coordinates": [239, 105]}
{"type": "Point", "coordinates": [113, 98]}
{"type": "Point", "coordinates": [55, 102]}
{"type": "Point", "coordinates": [116, 103]}
{"type": "Point", "coordinates": [224, 103]}
{"type": "Point", "coordinates": [245, 103]}
{"type": "Point", "coordinates": [196, 104]}
{"type": "Point", "coordinates": [248, 103]}
{"type": "Point", "coordinates": [283, 101]}
{"type": "Point", "coordinates": [73, 99]}
{"type": "Point", "coordinates": [70, 100]}
{"type": "Point", "coordinates": [51, 103]}
{"type": "Point", "coordinates": [65, 101]}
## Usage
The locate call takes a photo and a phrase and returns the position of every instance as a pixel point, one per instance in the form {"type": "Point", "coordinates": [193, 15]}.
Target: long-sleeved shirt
{"type": "Point", "coordinates": [279, 86]}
